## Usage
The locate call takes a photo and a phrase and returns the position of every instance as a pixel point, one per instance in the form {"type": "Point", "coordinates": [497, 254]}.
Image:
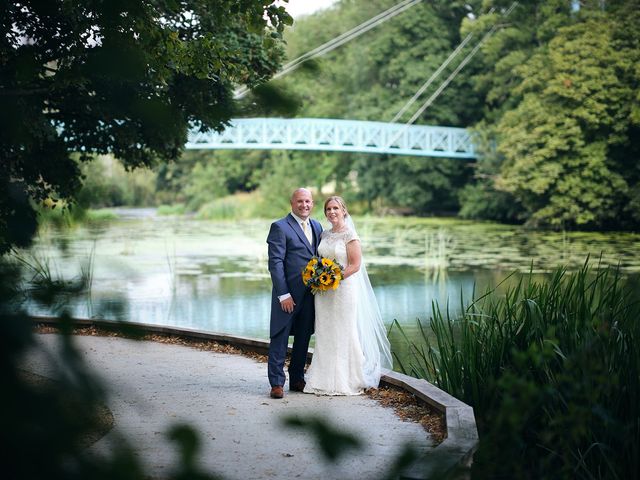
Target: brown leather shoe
{"type": "Point", "coordinates": [297, 386]}
{"type": "Point", "coordinates": [277, 392]}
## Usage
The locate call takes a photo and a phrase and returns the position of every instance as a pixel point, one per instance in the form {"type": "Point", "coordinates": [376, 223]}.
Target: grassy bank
{"type": "Point", "coordinates": [552, 370]}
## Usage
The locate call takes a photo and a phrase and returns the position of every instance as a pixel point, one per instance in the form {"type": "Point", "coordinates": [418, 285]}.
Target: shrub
{"type": "Point", "coordinates": [552, 370]}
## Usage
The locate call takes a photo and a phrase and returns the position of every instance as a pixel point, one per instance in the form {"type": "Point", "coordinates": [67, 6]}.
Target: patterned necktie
{"type": "Point", "coordinates": [307, 232]}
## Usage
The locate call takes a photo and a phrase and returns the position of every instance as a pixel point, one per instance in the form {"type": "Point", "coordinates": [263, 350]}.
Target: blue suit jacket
{"type": "Point", "coordinates": [289, 253]}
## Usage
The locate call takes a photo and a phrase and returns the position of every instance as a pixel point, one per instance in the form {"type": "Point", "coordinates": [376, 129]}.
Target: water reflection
{"type": "Point", "coordinates": [213, 275]}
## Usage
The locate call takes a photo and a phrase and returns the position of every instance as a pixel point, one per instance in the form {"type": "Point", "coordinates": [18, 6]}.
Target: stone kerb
{"type": "Point", "coordinates": [455, 453]}
{"type": "Point", "coordinates": [447, 460]}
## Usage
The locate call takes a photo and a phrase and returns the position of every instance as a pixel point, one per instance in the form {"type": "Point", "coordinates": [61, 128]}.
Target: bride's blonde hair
{"type": "Point", "coordinates": [340, 202]}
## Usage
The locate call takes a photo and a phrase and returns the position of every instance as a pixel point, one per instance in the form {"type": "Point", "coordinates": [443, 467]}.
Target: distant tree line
{"type": "Point", "coordinates": [552, 97]}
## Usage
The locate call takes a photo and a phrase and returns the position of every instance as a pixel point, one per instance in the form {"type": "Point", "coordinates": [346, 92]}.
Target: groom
{"type": "Point", "coordinates": [292, 241]}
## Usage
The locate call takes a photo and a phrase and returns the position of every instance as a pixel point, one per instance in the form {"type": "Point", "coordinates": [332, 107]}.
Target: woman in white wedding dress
{"type": "Point", "coordinates": [351, 346]}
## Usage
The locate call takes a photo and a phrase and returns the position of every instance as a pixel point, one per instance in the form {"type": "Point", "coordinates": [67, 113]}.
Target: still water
{"type": "Point", "coordinates": [213, 276]}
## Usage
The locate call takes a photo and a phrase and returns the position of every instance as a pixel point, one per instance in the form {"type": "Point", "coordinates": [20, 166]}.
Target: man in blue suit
{"type": "Point", "coordinates": [292, 241]}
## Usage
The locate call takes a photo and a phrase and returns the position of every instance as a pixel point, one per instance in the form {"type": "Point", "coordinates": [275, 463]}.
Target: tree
{"type": "Point", "coordinates": [558, 143]}
{"type": "Point", "coordinates": [117, 77]}
{"type": "Point", "coordinates": [420, 186]}
{"type": "Point", "coordinates": [371, 78]}
{"type": "Point", "coordinates": [561, 102]}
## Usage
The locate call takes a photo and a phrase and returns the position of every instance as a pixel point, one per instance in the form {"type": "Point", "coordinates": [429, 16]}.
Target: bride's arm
{"type": "Point", "coordinates": [354, 257]}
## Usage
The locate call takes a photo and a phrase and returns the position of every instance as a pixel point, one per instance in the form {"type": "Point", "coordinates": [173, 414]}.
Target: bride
{"type": "Point", "coordinates": [351, 345]}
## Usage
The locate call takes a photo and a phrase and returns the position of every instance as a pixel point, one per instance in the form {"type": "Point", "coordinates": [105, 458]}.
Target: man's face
{"type": "Point", "coordinates": [302, 203]}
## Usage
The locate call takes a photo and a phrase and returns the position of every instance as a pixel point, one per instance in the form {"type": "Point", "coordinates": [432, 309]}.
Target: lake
{"type": "Point", "coordinates": [212, 275]}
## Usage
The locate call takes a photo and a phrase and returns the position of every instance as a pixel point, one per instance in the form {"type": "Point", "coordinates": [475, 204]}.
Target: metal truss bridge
{"type": "Point", "coordinates": [337, 136]}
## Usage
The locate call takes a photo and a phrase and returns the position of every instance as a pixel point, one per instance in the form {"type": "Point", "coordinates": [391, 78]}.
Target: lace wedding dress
{"type": "Point", "coordinates": [337, 365]}
{"type": "Point", "coordinates": [351, 346]}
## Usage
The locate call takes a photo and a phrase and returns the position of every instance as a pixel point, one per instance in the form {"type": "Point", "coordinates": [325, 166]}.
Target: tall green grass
{"type": "Point", "coordinates": [66, 217]}
{"type": "Point", "coordinates": [239, 206]}
{"type": "Point", "coordinates": [552, 370]}
{"type": "Point", "coordinates": [47, 286]}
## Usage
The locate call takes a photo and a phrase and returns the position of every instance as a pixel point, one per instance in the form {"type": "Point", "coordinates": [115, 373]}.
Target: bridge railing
{"type": "Point", "coordinates": [338, 135]}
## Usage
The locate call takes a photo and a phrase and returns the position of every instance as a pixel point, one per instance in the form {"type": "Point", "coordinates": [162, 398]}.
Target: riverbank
{"type": "Point", "coordinates": [212, 275]}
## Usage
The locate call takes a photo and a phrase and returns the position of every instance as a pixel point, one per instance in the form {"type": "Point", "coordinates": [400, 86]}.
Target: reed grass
{"type": "Point", "coordinates": [240, 206]}
{"type": "Point", "coordinates": [100, 215]}
{"type": "Point", "coordinates": [171, 210]}
{"type": "Point", "coordinates": [47, 286]}
{"type": "Point", "coordinates": [552, 370]}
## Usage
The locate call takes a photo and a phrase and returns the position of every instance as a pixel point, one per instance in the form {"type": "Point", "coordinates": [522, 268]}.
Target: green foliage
{"type": "Point", "coordinates": [285, 171]}
{"type": "Point", "coordinates": [481, 201]}
{"type": "Point", "coordinates": [120, 78]}
{"type": "Point", "coordinates": [552, 97]}
{"type": "Point", "coordinates": [552, 370]}
{"type": "Point", "coordinates": [176, 209]}
{"type": "Point", "coordinates": [562, 89]}
{"type": "Point", "coordinates": [205, 183]}
{"type": "Point", "coordinates": [419, 186]}
{"type": "Point", "coordinates": [373, 76]}
{"type": "Point", "coordinates": [284, 174]}
{"type": "Point", "coordinates": [556, 141]}
{"type": "Point", "coordinates": [200, 177]}
{"type": "Point", "coordinates": [370, 79]}
{"type": "Point", "coordinates": [235, 207]}
{"type": "Point", "coordinates": [106, 183]}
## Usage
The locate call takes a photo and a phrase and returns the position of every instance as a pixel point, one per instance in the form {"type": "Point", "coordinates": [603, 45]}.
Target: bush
{"type": "Point", "coordinates": [552, 370]}
{"type": "Point", "coordinates": [107, 184]}
{"type": "Point", "coordinates": [176, 209]}
{"type": "Point", "coordinates": [233, 207]}
{"type": "Point", "coordinates": [483, 202]}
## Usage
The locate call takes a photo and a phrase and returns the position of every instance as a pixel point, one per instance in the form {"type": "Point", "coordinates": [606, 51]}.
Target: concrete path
{"type": "Point", "coordinates": [225, 397]}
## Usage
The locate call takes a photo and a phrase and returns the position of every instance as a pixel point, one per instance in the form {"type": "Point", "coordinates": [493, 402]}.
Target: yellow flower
{"type": "Point", "coordinates": [321, 274]}
{"type": "Point", "coordinates": [326, 262]}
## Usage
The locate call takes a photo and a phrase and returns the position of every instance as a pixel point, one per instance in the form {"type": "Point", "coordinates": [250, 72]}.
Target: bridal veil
{"type": "Point", "coordinates": [371, 329]}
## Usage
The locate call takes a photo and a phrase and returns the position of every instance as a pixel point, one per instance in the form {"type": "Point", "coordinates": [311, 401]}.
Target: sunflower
{"type": "Point", "coordinates": [327, 263]}
{"type": "Point", "coordinates": [321, 274]}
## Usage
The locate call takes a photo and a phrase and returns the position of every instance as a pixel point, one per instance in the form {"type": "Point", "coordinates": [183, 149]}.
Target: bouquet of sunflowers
{"type": "Point", "coordinates": [322, 274]}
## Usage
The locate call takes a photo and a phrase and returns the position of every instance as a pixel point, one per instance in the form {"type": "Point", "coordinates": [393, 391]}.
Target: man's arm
{"type": "Point", "coordinates": [277, 242]}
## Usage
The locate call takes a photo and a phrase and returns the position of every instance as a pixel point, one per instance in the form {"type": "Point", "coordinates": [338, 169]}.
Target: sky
{"type": "Point", "coordinates": [306, 7]}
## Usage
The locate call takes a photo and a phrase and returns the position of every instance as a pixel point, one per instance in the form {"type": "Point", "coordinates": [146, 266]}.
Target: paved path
{"type": "Point", "coordinates": [154, 385]}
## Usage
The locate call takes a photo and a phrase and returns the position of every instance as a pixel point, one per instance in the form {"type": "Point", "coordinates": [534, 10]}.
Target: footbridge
{"type": "Point", "coordinates": [337, 136]}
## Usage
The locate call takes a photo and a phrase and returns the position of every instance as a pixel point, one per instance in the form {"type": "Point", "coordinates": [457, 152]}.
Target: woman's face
{"type": "Point", "coordinates": [334, 213]}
